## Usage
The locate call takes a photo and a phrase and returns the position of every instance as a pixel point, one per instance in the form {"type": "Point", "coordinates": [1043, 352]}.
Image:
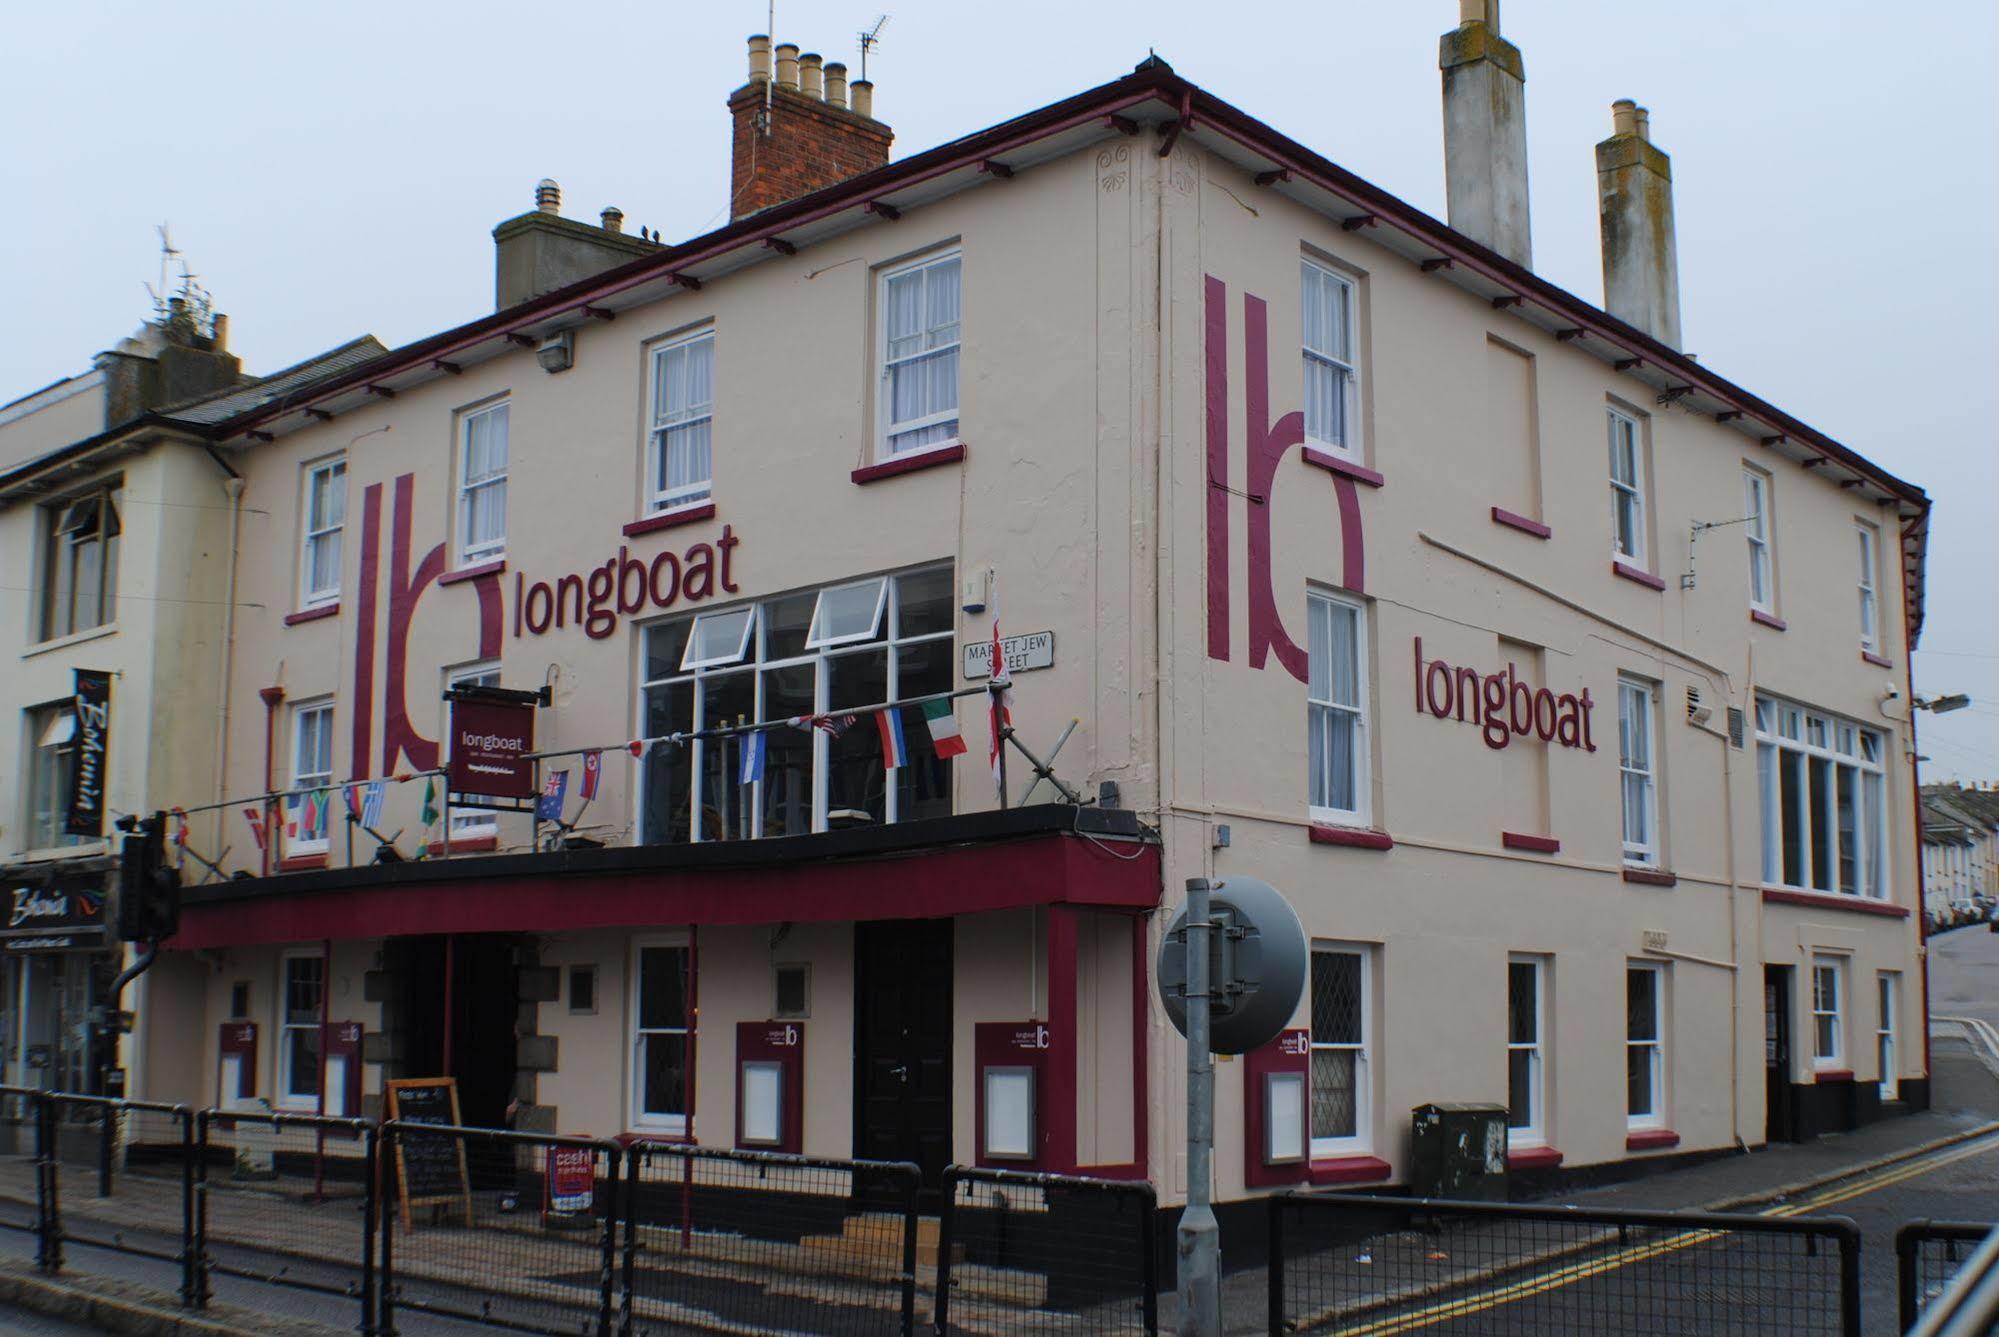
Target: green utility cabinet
{"type": "Point", "coordinates": [1458, 1151]}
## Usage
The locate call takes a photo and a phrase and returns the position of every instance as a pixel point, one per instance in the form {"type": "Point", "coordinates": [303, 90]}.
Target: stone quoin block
{"type": "Point", "coordinates": [540, 984]}
{"type": "Point", "coordinates": [535, 1052]}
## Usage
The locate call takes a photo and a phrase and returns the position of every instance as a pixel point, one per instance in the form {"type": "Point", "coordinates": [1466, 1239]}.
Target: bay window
{"type": "Point", "coordinates": [793, 657]}
{"type": "Point", "coordinates": [1822, 785]}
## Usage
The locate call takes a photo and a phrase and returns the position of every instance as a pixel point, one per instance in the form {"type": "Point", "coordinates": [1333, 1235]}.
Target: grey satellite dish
{"type": "Point", "coordinates": [1258, 962]}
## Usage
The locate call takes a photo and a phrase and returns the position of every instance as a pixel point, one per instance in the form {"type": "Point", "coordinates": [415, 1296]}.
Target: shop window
{"type": "Point", "coordinates": [301, 993]}
{"type": "Point", "coordinates": [80, 562]}
{"type": "Point", "coordinates": [660, 1077]}
{"type": "Point", "coordinates": [1645, 1046]}
{"type": "Point", "coordinates": [1526, 1067]}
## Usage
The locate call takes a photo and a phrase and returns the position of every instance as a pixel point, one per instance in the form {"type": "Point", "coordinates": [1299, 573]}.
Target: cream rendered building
{"type": "Point", "coordinates": [1373, 566]}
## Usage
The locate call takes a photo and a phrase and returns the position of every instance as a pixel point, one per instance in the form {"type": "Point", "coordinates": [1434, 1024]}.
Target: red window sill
{"type": "Point", "coordinates": [652, 524]}
{"type": "Point", "coordinates": [1344, 468]}
{"type": "Point", "coordinates": [1770, 620]}
{"type": "Point", "coordinates": [1633, 574]}
{"type": "Point", "coordinates": [1647, 877]}
{"type": "Point", "coordinates": [1878, 661]}
{"type": "Point", "coordinates": [467, 845]}
{"type": "Point", "coordinates": [1349, 1170]}
{"type": "Point", "coordinates": [301, 863]}
{"type": "Point", "coordinates": [1353, 837]}
{"type": "Point", "coordinates": [1821, 901]}
{"type": "Point", "coordinates": [1515, 840]}
{"type": "Point", "coordinates": [1533, 1158]}
{"type": "Point", "coordinates": [1651, 1139]}
{"type": "Point", "coordinates": [1833, 1075]}
{"type": "Point", "coordinates": [464, 573]}
{"type": "Point", "coordinates": [313, 614]}
{"type": "Point", "coordinates": [1501, 516]}
{"type": "Point", "coordinates": [929, 459]}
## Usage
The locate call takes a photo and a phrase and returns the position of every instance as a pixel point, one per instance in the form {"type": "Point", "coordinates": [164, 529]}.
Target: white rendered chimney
{"type": "Point", "coordinates": [1485, 133]}
{"type": "Point", "coordinates": [1634, 191]}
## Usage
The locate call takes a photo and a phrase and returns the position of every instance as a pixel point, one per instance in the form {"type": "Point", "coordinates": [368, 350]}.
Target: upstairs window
{"type": "Point", "coordinates": [1627, 489]}
{"type": "Point", "coordinates": [1870, 546]}
{"type": "Point", "coordinates": [1335, 711]}
{"type": "Point", "coordinates": [308, 809]}
{"type": "Point", "coordinates": [683, 419]}
{"type": "Point", "coordinates": [80, 562]}
{"type": "Point", "coordinates": [792, 657]}
{"type": "Point", "coordinates": [1822, 785]}
{"type": "Point", "coordinates": [482, 485]}
{"type": "Point", "coordinates": [51, 773]}
{"type": "Point", "coordinates": [325, 518]}
{"type": "Point", "coordinates": [1756, 525]}
{"type": "Point", "coordinates": [1331, 387]}
{"type": "Point", "coordinates": [1640, 793]}
{"type": "Point", "coordinates": [469, 823]}
{"type": "Point", "coordinates": [919, 355]}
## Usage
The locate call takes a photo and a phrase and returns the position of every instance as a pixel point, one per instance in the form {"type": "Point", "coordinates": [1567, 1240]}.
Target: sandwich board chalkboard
{"type": "Point", "coordinates": [430, 1169]}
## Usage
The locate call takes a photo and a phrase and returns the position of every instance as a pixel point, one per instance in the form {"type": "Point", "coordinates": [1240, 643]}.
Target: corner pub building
{"type": "Point", "coordinates": [1561, 683]}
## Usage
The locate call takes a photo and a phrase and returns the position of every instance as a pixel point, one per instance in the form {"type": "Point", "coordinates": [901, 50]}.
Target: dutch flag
{"type": "Point", "coordinates": [894, 751]}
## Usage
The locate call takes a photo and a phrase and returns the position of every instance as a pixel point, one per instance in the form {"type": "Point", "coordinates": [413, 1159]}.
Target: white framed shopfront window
{"type": "Point", "coordinates": [661, 1078]}
{"type": "Point", "coordinates": [301, 994]}
{"type": "Point", "coordinates": [1822, 783]}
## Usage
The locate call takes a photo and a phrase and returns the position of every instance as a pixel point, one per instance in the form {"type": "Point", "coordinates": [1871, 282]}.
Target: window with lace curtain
{"type": "Point", "coordinates": [482, 484]}
{"type": "Point", "coordinates": [919, 320]}
{"type": "Point", "coordinates": [683, 419]}
{"type": "Point", "coordinates": [1332, 393]}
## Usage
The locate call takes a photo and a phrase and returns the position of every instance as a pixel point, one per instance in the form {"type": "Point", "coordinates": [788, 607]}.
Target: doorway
{"type": "Point", "coordinates": [1780, 1120]}
{"type": "Point", "coordinates": [462, 1002]}
{"type": "Point", "coordinates": [902, 1043]}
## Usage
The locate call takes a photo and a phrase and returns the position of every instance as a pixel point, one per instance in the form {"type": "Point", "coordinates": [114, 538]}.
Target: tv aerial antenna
{"type": "Point", "coordinates": [870, 40]}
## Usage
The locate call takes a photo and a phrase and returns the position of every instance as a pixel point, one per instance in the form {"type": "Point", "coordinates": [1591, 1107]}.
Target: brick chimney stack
{"type": "Point", "coordinates": [803, 131]}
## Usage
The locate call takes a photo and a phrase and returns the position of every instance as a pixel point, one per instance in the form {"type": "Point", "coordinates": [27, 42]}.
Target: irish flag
{"type": "Point", "coordinates": [944, 735]}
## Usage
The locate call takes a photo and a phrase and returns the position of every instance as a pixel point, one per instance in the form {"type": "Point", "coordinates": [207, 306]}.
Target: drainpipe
{"type": "Point", "coordinates": [232, 487]}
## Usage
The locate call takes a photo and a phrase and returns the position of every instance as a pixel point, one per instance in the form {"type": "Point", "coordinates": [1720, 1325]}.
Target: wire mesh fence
{"type": "Point", "coordinates": [1046, 1253]}
{"type": "Point", "coordinates": [21, 1163]}
{"type": "Point", "coordinates": [1355, 1263]}
{"type": "Point", "coordinates": [1927, 1255]}
{"type": "Point", "coordinates": [120, 1176]}
{"type": "Point", "coordinates": [507, 1229]}
{"type": "Point", "coordinates": [287, 1199]}
{"type": "Point", "coordinates": [744, 1241]}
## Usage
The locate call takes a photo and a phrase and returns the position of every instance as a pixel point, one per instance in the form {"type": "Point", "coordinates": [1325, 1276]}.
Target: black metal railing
{"type": "Point", "coordinates": [1358, 1262]}
{"type": "Point", "coordinates": [287, 1200]}
{"type": "Point", "coordinates": [96, 1143]}
{"type": "Point", "coordinates": [1927, 1255]}
{"type": "Point", "coordinates": [746, 1241]}
{"type": "Point", "coordinates": [1021, 1252]}
{"type": "Point", "coordinates": [511, 1230]}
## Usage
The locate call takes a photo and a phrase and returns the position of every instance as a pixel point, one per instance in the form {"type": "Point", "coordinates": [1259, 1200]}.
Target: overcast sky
{"type": "Point", "coordinates": [336, 169]}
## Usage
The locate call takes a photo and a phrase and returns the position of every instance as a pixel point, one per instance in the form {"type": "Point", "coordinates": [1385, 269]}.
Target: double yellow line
{"type": "Point", "coordinates": [1568, 1276]}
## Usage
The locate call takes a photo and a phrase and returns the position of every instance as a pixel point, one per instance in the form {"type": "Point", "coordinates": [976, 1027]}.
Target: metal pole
{"type": "Point", "coordinates": [1199, 1239]}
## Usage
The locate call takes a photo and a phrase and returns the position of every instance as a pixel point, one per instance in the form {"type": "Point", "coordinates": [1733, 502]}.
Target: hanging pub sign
{"type": "Point", "coordinates": [92, 740]}
{"type": "Point", "coordinates": [491, 743]}
{"type": "Point", "coordinates": [55, 917]}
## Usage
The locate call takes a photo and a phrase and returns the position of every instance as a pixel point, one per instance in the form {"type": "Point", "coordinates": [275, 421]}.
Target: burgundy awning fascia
{"type": "Point", "coordinates": [960, 879]}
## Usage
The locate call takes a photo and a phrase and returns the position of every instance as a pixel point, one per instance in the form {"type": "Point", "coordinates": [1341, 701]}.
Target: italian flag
{"type": "Point", "coordinates": [944, 735]}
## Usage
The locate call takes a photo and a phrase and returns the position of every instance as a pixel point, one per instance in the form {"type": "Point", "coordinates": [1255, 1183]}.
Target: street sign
{"type": "Point", "coordinates": [1035, 650]}
{"type": "Point", "coordinates": [1257, 961]}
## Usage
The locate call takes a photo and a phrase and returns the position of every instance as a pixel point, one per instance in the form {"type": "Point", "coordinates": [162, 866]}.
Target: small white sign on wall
{"type": "Point", "coordinates": [763, 1102]}
{"type": "Point", "coordinates": [1283, 1117]}
{"type": "Point", "coordinates": [1010, 1113]}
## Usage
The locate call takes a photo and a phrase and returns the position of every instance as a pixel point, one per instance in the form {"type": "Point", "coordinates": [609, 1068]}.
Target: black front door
{"type": "Point", "coordinates": [1779, 1116]}
{"type": "Point", "coordinates": [902, 1043]}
